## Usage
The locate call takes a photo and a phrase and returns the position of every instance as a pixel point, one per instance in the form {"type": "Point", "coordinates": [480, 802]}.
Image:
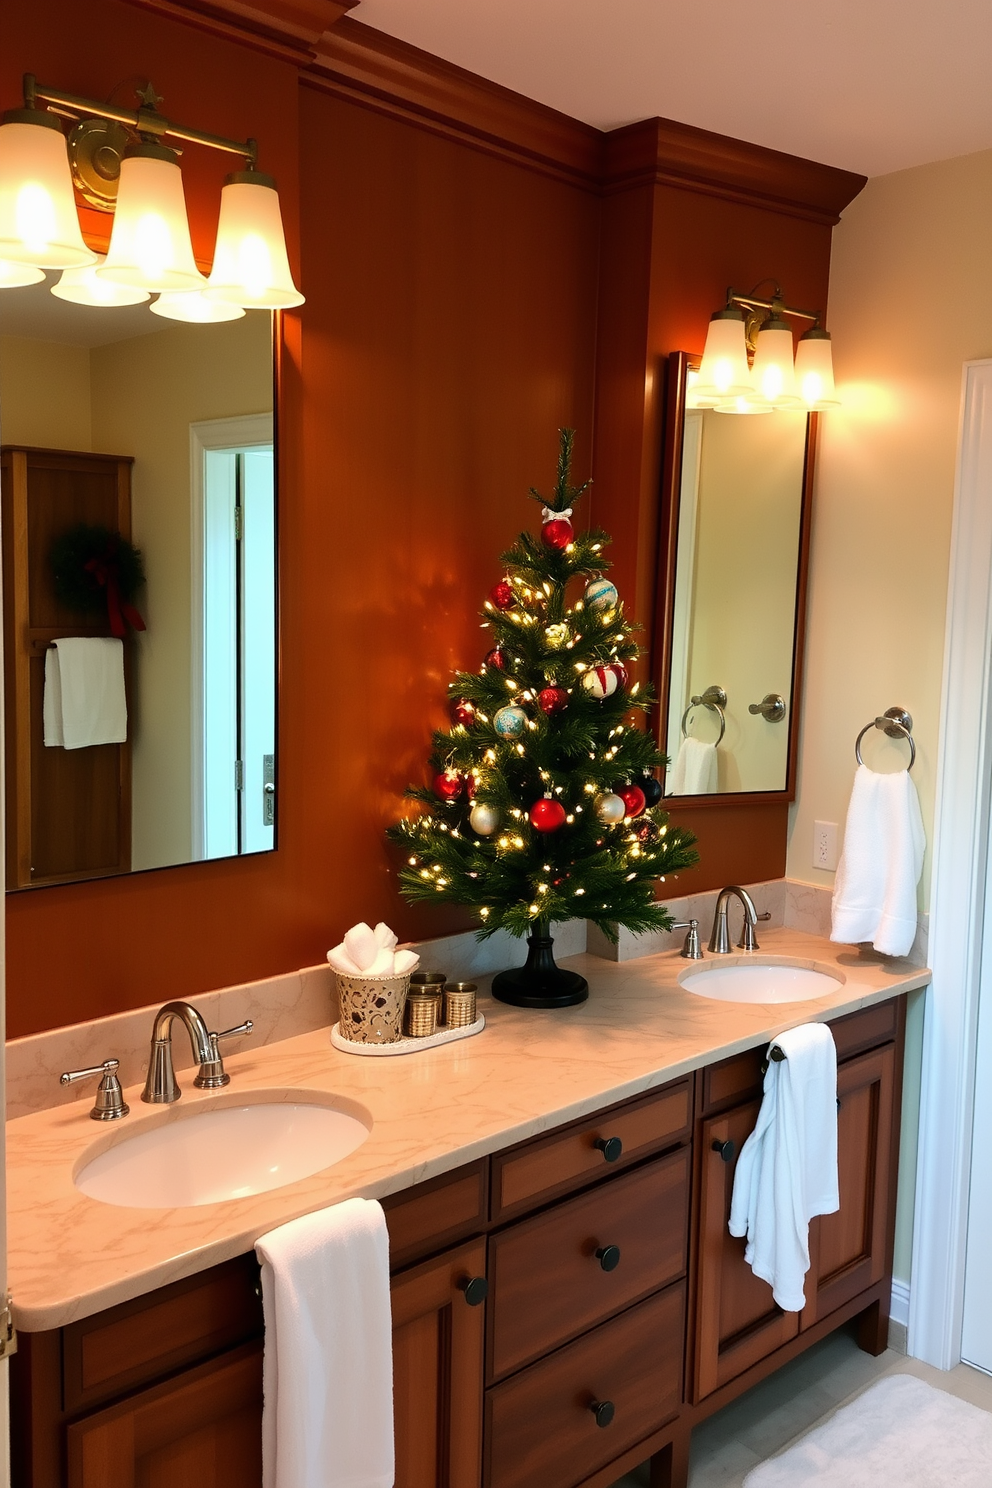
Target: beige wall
{"type": "Point", "coordinates": [910, 301]}
{"type": "Point", "coordinates": [146, 393]}
{"type": "Point", "coordinates": [44, 394]}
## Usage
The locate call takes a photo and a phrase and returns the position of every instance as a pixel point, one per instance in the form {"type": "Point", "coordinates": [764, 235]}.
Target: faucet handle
{"type": "Point", "coordinates": [212, 1072]}
{"type": "Point", "coordinates": [690, 949]}
{"type": "Point", "coordinates": [748, 940]}
{"type": "Point", "coordinates": [110, 1104]}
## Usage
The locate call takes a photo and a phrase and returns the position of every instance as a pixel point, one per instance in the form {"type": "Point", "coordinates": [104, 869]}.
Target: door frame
{"type": "Point", "coordinates": [208, 434]}
{"type": "Point", "coordinates": [957, 901]}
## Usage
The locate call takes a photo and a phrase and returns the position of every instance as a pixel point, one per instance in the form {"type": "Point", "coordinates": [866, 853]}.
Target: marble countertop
{"type": "Point", "coordinates": [529, 1071]}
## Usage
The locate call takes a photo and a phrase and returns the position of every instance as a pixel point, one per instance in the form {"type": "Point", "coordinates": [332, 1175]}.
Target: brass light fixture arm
{"type": "Point", "coordinates": [758, 310]}
{"type": "Point", "coordinates": [146, 121]}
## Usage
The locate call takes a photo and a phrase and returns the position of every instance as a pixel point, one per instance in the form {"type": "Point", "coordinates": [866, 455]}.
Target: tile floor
{"type": "Point", "coordinates": [801, 1395]}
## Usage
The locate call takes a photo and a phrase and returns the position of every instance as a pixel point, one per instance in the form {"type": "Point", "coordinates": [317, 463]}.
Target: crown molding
{"type": "Point", "coordinates": [289, 29]}
{"type": "Point", "coordinates": [368, 67]}
{"type": "Point", "coordinates": [664, 152]}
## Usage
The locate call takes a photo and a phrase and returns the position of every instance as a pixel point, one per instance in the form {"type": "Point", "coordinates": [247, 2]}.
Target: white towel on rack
{"type": "Point", "coordinates": [84, 701]}
{"type": "Point", "coordinates": [694, 770]}
{"type": "Point", "coordinates": [884, 842]}
{"type": "Point", "coordinates": [787, 1170]}
{"type": "Point", "coordinates": [327, 1416]}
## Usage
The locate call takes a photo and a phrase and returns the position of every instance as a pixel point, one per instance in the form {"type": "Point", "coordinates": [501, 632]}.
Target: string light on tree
{"type": "Point", "coordinates": [533, 828]}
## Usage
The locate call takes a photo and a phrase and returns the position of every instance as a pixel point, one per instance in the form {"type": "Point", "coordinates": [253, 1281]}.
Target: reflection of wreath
{"type": "Point", "coordinates": [93, 568]}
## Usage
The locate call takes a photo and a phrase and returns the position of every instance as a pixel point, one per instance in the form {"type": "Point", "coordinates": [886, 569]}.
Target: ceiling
{"type": "Point", "coordinates": [869, 85]}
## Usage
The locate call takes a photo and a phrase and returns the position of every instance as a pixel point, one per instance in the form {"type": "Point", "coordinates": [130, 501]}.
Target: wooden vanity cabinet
{"type": "Point", "coordinates": [737, 1327]}
{"type": "Point", "coordinates": [562, 1311]}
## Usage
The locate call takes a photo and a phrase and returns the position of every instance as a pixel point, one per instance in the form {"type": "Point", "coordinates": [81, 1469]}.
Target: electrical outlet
{"type": "Point", "coordinates": [825, 845]}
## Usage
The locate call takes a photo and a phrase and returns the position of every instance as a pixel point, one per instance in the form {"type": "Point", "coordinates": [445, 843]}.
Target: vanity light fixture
{"type": "Point", "coordinates": [84, 287]}
{"type": "Point", "coordinates": [777, 377]}
{"type": "Point", "coordinates": [15, 275]}
{"type": "Point", "coordinates": [119, 161]}
{"type": "Point", "coordinates": [195, 308]}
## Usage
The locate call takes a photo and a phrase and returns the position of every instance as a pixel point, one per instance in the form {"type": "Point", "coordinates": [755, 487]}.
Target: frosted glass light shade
{"type": "Point", "coordinates": [38, 221]}
{"type": "Point", "coordinates": [773, 371]}
{"type": "Point", "coordinates": [746, 403]}
{"type": "Point", "coordinates": [250, 266]}
{"type": "Point", "coordinates": [85, 287]}
{"type": "Point", "coordinates": [693, 397]}
{"type": "Point", "coordinates": [723, 372]}
{"type": "Point", "coordinates": [195, 308]}
{"type": "Point", "coordinates": [150, 245]}
{"type": "Point", "coordinates": [16, 275]}
{"type": "Point", "coordinates": [815, 371]}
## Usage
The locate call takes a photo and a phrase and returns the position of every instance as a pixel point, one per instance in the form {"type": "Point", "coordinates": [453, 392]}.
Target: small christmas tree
{"type": "Point", "coordinates": [544, 804]}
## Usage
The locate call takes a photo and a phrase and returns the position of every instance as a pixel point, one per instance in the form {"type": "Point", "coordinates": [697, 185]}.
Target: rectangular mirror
{"type": "Point", "coordinates": [735, 539]}
{"type": "Point", "coordinates": [130, 748]}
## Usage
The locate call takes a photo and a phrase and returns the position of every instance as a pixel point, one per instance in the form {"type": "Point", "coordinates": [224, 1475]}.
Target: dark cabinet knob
{"type": "Point", "coordinates": [476, 1289]}
{"type": "Point", "coordinates": [610, 1147]}
{"type": "Point", "coordinates": [726, 1150]}
{"type": "Point", "coordinates": [608, 1257]}
{"type": "Point", "coordinates": [604, 1411]}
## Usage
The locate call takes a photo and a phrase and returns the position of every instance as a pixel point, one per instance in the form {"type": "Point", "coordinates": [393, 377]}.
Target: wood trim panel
{"type": "Point", "coordinates": [868, 1027]}
{"type": "Point", "coordinates": [436, 1214]}
{"type": "Point", "coordinates": [288, 29]}
{"type": "Point", "coordinates": [665, 152]}
{"type": "Point", "coordinates": [368, 67]}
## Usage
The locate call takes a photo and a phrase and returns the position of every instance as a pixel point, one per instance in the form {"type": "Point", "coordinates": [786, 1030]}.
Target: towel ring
{"type": "Point", "coordinates": [895, 722]}
{"type": "Point", "coordinates": [714, 698]}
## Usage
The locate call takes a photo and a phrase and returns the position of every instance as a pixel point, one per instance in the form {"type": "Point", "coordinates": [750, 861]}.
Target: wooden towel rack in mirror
{"type": "Point", "coordinates": [733, 560]}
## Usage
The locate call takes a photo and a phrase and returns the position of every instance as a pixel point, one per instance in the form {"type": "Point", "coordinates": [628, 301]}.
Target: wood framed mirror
{"type": "Point", "coordinates": [736, 511]}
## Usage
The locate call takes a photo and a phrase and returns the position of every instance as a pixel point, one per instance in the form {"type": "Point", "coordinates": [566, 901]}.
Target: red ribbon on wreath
{"type": "Point", "coordinates": [106, 572]}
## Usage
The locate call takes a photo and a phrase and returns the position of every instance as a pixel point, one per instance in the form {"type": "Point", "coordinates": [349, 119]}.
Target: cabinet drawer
{"type": "Point", "coordinates": [550, 1166]}
{"type": "Point", "coordinates": [867, 1028]}
{"type": "Point", "coordinates": [139, 1341]}
{"type": "Point", "coordinates": [549, 1284]}
{"type": "Point", "coordinates": [540, 1425]}
{"type": "Point", "coordinates": [436, 1214]}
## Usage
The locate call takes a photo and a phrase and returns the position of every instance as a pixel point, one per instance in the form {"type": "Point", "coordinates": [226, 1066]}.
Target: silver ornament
{"type": "Point", "coordinates": [483, 819]}
{"type": "Point", "coordinates": [609, 808]}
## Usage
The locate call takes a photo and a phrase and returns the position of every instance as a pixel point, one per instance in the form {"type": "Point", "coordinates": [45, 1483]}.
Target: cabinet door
{"type": "Point", "coordinates": [203, 1427]}
{"type": "Point", "coordinates": [737, 1320]}
{"type": "Point", "coordinates": [438, 1338]}
{"type": "Point", "coordinates": [849, 1249]}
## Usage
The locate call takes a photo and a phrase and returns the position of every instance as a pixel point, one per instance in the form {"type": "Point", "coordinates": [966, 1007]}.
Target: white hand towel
{"type": "Point", "coordinates": [327, 1418]}
{"type": "Point", "coordinates": [880, 866]}
{"type": "Point", "coordinates": [84, 702]}
{"type": "Point", "coordinates": [787, 1170]}
{"type": "Point", "coordinates": [361, 945]}
{"type": "Point", "coordinates": [342, 962]}
{"type": "Point", "coordinates": [694, 771]}
{"type": "Point", "coordinates": [385, 937]}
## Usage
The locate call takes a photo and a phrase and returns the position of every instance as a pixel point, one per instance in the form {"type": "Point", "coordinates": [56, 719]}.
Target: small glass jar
{"type": "Point", "coordinates": [459, 1004]}
{"type": "Point", "coordinates": [423, 1004]}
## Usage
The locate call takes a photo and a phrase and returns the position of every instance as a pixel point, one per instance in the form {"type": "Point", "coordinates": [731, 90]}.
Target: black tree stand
{"type": "Point", "coordinates": [539, 983]}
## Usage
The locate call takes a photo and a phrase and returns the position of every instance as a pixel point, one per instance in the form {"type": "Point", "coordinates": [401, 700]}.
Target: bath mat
{"type": "Point", "coordinates": [901, 1433]}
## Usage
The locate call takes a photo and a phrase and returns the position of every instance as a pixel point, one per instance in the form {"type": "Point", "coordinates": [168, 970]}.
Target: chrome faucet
{"type": "Point", "coordinates": [720, 939]}
{"type": "Point", "coordinates": [161, 1088]}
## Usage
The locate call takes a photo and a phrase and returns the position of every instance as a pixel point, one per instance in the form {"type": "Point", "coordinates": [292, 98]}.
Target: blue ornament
{"type": "Point", "coordinates": [601, 596]}
{"type": "Point", "coordinates": [510, 722]}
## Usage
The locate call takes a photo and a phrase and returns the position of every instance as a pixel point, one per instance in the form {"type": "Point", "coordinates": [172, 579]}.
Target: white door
{"type": "Point", "coordinates": [976, 1333]}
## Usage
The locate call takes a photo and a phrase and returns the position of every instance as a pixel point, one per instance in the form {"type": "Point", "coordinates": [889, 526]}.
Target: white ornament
{"type": "Point", "coordinates": [609, 808]}
{"type": "Point", "coordinates": [483, 819]}
{"type": "Point", "coordinates": [600, 682]}
{"type": "Point", "coordinates": [601, 596]}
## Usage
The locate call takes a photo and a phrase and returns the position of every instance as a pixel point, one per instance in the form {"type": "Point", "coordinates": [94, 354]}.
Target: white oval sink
{"type": "Point", "coordinates": [215, 1153]}
{"type": "Point", "coordinates": [757, 983]}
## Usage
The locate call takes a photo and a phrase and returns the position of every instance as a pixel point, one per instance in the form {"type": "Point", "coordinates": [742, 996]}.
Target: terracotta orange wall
{"type": "Point", "coordinates": [449, 330]}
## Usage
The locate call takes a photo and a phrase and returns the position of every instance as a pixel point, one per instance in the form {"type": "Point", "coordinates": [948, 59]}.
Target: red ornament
{"type": "Point", "coordinates": [463, 712]}
{"type": "Point", "coordinates": [557, 532]}
{"type": "Point", "coordinates": [547, 815]}
{"type": "Point", "coordinates": [495, 658]}
{"type": "Point", "coordinates": [552, 700]}
{"type": "Point", "coordinates": [633, 799]}
{"type": "Point", "coordinates": [502, 595]}
{"type": "Point", "coordinates": [448, 785]}
{"type": "Point", "coordinates": [647, 832]}
{"type": "Point", "coordinates": [621, 673]}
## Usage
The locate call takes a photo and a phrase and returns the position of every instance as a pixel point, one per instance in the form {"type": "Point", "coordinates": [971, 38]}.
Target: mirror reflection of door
{"type": "Point", "coordinates": [233, 588]}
